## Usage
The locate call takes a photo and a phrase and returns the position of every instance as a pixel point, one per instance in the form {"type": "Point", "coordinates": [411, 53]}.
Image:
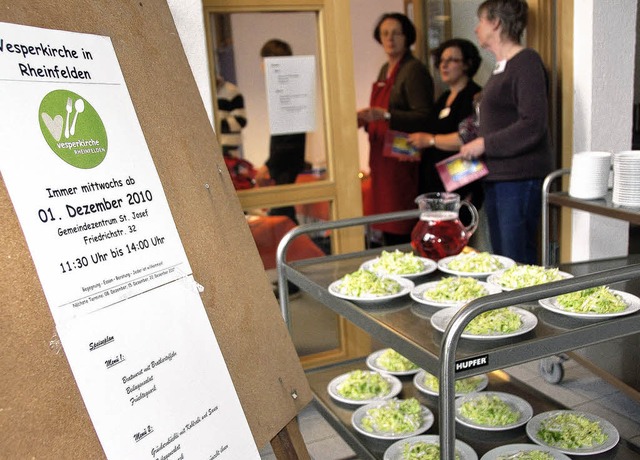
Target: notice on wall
{"type": "Point", "coordinates": [108, 255]}
{"type": "Point", "coordinates": [291, 93]}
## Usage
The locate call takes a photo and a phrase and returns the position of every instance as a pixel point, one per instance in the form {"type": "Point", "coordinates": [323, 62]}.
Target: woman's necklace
{"type": "Point", "coordinates": [446, 111]}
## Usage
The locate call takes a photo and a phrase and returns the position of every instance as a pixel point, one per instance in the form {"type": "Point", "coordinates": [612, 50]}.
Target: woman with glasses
{"type": "Point", "coordinates": [401, 100]}
{"type": "Point", "coordinates": [514, 131]}
{"type": "Point", "coordinates": [457, 61]}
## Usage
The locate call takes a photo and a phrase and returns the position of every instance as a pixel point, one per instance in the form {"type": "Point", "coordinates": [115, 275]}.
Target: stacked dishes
{"type": "Point", "coordinates": [626, 178]}
{"type": "Point", "coordinates": [589, 175]}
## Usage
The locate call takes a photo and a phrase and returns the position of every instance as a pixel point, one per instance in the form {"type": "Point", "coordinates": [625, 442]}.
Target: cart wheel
{"type": "Point", "coordinates": [552, 370]}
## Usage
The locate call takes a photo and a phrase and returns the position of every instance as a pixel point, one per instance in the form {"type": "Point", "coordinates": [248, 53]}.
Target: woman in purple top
{"type": "Point", "coordinates": [514, 133]}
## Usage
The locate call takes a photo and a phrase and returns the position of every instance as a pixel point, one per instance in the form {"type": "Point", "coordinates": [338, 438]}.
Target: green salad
{"type": "Point", "coordinates": [475, 262]}
{"type": "Point", "coordinates": [593, 300]}
{"type": "Point", "coordinates": [362, 385]}
{"type": "Point", "coordinates": [422, 451]}
{"type": "Point", "coordinates": [498, 321]}
{"type": "Point", "coordinates": [520, 276]}
{"type": "Point", "coordinates": [489, 410]}
{"type": "Point", "coordinates": [571, 431]}
{"type": "Point", "coordinates": [397, 263]}
{"type": "Point", "coordinates": [527, 455]}
{"type": "Point", "coordinates": [462, 386]}
{"type": "Point", "coordinates": [394, 417]}
{"type": "Point", "coordinates": [455, 289]}
{"type": "Point", "coordinates": [363, 282]}
{"type": "Point", "coordinates": [393, 361]}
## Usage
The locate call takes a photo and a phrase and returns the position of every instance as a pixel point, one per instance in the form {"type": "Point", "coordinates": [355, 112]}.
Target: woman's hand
{"type": "Point", "coordinates": [263, 177]}
{"type": "Point", "coordinates": [370, 114]}
{"type": "Point", "coordinates": [472, 149]}
{"type": "Point", "coordinates": [362, 117]}
{"type": "Point", "coordinates": [421, 140]}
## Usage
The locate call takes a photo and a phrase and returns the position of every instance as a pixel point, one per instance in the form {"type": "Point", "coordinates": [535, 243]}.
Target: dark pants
{"type": "Point", "coordinates": [513, 211]}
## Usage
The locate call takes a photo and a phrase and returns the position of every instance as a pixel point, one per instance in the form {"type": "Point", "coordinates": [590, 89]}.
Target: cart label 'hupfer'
{"type": "Point", "coordinates": [472, 363]}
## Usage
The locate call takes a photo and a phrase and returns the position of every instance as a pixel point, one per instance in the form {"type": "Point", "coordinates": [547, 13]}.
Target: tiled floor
{"type": "Point", "coordinates": [579, 389]}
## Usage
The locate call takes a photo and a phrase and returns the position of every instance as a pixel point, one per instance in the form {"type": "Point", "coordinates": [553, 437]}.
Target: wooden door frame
{"type": "Point", "coordinates": [550, 32]}
{"type": "Point", "coordinates": [342, 188]}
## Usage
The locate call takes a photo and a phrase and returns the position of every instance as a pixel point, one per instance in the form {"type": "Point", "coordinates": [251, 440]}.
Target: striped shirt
{"type": "Point", "coordinates": [232, 115]}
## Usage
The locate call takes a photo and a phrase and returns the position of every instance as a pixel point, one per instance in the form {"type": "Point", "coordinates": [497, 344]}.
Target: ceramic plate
{"type": "Point", "coordinates": [494, 279]}
{"type": "Point", "coordinates": [406, 287]}
{"type": "Point", "coordinates": [520, 405]}
{"type": "Point", "coordinates": [612, 433]}
{"type": "Point", "coordinates": [513, 449]}
{"type": "Point", "coordinates": [372, 363]}
{"type": "Point", "coordinates": [417, 294]}
{"type": "Point", "coordinates": [443, 266]}
{"type": "Point", "coordinates": [361, 412]}
{"type": "Point", "coordinates": [529, 321]}
{"type": "Point", "coordinates": [429, 266]}
{"type": "Point", "coordinates": [418, 381]}
{"type": "Point", "coordinates": [395, 388]}
{"type": "Point", "coordinates": [633, 305]}
{"type": "Point", "coordinates": [395, 450]}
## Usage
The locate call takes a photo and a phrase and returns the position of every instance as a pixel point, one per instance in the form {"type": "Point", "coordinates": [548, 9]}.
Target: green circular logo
{"type": "Point", "coordinates": [73, 129]}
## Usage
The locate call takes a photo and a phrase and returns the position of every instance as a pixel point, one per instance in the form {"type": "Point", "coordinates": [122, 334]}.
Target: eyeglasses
{"type": "Point", "coordinates": [392, 34]}
{"type": "Point", "coordinates": [450, 60]}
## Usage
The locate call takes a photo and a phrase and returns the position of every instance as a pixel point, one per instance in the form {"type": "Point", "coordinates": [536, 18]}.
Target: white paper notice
{"type": "Point", "coordinates": [291, 93]}
{"type": "Point", "coordinates": [79, 172]}
{"type": "Point", "coordinates": [108, 254]}
{"type": "Point", "coordinates": [170, 395]}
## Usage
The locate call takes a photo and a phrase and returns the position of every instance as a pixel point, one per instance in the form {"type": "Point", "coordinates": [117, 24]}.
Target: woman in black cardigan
{"type": "Point", "coordinates": [458, 61]}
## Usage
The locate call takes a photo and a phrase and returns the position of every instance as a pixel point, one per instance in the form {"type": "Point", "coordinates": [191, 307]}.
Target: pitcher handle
{"type": "Point", "coordinates": [471, 228]}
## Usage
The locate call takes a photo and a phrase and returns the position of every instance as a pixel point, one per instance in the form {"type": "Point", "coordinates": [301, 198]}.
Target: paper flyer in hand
{"type": "Point", "coordinates": [396, 144]}
{"type": "Point", "coordinates": [456, 172]}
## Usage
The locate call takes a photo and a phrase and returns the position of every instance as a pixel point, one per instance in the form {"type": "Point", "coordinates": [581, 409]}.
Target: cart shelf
{"type": "Point", "coordinates": [404, 325]}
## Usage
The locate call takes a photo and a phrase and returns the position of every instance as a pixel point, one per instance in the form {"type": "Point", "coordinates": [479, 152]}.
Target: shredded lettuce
{"type": "Point", "coordinates": [455, 289]}
{"type": "Point", "coordinates": [520, 276]}
{"type": "Point", "coordinates": [475, 262]}
{"type": "Point", "coordinates": [362, 385]}
{"type": "Point", "coordinates": [393, 361]}
{"type": "Point", "coordinates": [363, 282]}
{"type": "Point", "coordinates": [498, 321]}
{"type": "Point", "coordinates": [462, 386]}
{"type": "Point", "coordinates": [422, 451]}
{"type": "Point", "coordinates": [593, 300]}
{"type": "Point", "coordinates": [527, 455]}
{"type": "Point", "coordinates": [394, 417]}
{"type": "Point", "coordinates": [397, 263]}
{"type": "Point", "coordinates": [489, 410]}
{"type": "Point", "coordinates": [571, 431]}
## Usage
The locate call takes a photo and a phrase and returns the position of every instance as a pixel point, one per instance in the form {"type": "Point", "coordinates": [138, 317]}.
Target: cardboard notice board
{"type": "Point", "coordinates": [42, 414]}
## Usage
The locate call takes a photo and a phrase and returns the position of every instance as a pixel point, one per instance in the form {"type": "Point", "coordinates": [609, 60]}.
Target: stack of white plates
{"type": "Point", "coordinates": [589, 175]}
{"type": "Point", "coordinates": [626, 178]}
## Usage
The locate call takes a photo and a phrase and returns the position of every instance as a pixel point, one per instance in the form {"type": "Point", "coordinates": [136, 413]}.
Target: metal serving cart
{"type": "Point", "coordinates": [404, 325]}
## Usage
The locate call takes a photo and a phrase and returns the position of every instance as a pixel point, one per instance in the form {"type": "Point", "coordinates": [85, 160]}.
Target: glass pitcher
{"type": "Point", "coordinates": [439, 232]}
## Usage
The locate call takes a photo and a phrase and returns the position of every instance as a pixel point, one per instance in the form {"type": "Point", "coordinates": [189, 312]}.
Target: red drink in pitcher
{"type": "Point", "coordinates": [439, 232]}
{"type": "Point", "coordinates": [438, 235]}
